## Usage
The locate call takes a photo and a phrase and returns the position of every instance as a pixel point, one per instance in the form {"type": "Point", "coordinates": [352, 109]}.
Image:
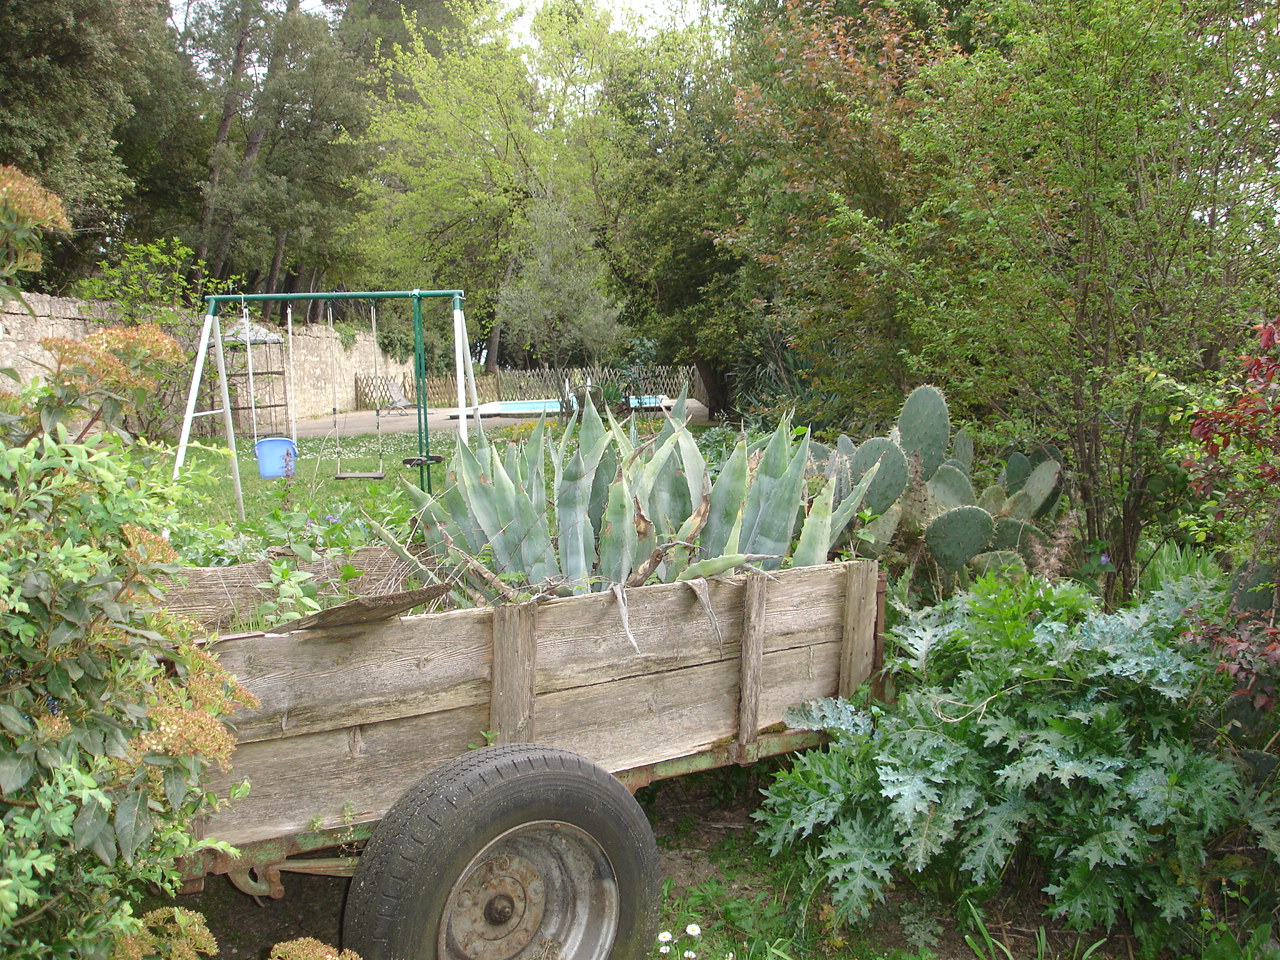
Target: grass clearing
{"type": "Point", "coordinates": [313, 483]}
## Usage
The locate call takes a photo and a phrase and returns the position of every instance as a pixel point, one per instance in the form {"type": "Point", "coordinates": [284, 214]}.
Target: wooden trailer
{"type": "Point", "coordinates": [664, 680]}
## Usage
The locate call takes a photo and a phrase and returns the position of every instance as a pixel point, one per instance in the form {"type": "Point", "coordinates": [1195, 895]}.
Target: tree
{"type": "Point", "coordinates": [818, 91]}
{"type": "Point", "coordinates": [292, 105]}
{"type": "Point", "coordinates": [64, 79]}
{"type": "Point", "coordinates": [1089, 214]}
{"type": "Point", "coordinates": [469, 136]}
{"type": "Point", "coordinates": [69, 75]}
{"type": "Point", "coordinates": [553, 305]}
{"type": "Point", "coordinates": [666, 199]}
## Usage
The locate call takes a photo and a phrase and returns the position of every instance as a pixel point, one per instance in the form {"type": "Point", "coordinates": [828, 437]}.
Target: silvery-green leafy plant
{"type": "Point", "coordinates": [1041, 734]}
{"type": "Point", "coordinates": [599, 508]}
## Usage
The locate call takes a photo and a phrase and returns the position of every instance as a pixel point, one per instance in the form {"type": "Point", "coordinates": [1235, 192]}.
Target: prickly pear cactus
{"type": "Point", "coordinates": [891, 472]}
{"type": "Point", "coordinates": [957, 536]}
{"type": "Point", "coordinates": [924, 427]}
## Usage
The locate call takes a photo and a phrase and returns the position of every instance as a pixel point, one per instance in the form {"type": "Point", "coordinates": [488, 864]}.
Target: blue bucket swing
{"type": "Point", "coordinates": [276, 456]}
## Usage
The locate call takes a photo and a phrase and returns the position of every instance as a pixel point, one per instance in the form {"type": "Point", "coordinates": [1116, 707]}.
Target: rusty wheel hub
{"type": "Point", "coordinates": [542, 891]}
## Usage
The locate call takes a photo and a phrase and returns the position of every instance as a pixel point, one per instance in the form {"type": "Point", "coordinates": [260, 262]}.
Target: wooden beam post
{"type": "Point", "coordinates": [515, 646]}
{"type": "Point", "coordinates": [752, 661]}
{"type": "Point", "coordinates": [857, 654]}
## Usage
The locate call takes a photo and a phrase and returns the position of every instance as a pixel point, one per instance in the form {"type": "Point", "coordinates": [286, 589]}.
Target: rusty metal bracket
{"type": "Point", "coordinates": [263, 880]}
{"type": "Point", "coordinates": [257, 880]}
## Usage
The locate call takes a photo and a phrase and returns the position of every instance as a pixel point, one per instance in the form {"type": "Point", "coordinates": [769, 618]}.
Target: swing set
{"type": "Point", "coordinates": [276, 454]}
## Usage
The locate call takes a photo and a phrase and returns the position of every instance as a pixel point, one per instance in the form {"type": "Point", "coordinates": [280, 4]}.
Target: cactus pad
{"type": "Point", "coordinates": [890, 479]}
{"type": "Point", "coordinates": [959, 535]}
{"type": "Point", "coordinates": [1017, 535]}
{"type": "Point", "coordinates": [950, 488]}
{"type": "Point", "coordinates": [994, 561]}
{"type": "Point", "coordinates": [1016, 470]}
{"type": "Point", "coordinates": [925, 428]}
{"type": "Point", "coordinates": [962, 451]}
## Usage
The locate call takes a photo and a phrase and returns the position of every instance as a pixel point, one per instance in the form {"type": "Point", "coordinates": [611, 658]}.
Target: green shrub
{"type": "Point", "coordinates": [1085, 748]}
{"type": "Point", "coordinates": [26, 211]}
{"type": "Point", "coordinates": [109, 709]}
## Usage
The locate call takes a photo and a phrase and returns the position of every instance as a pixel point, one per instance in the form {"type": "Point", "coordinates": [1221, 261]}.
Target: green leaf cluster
{"type": "Point", "coordinates": [109, 710]}
{"type": "Point", "coordinates": [1035, 733]}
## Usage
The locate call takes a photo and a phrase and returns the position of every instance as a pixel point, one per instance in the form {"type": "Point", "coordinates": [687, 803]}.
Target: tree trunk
{"type": "Point", "coordinates": [253, 145]}
{"type": "Point", "coordinates": [719, 395]}
{"type": "Point", "coordinates": [231, 103]}
{"type": "Point", "coordinates": [274, 277]}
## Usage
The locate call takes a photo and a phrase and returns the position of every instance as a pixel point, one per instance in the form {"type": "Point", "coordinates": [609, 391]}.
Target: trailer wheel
{"type": "Point", "coordinates": [508, 853]}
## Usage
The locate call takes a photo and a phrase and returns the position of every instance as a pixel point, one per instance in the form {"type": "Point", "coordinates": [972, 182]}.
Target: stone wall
{"type": "Point", "coordinates": [324, 374]}
{"type": "Point", "coordinates": [322, 369]}
{"type": "Point", "coordinates": [20, 333]}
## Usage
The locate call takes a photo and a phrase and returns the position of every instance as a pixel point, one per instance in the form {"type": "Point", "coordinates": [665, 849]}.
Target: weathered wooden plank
{"type": "Point", "coordinates": [751, 660]}
{"type": "Point", "coordinates": [642, 720]}
{"type": "Point", "coordinates": [581, 640]}
{"type": "Point", "coordinates": [859, 626]}
{"type": "Point", "coordinates": [515, 647]}
{"type": "Point", "coordinates": [217, 597]}
{"type": "Point", "coordinates": [338, 777]}
{"type": "Point", "coordinates": [362, 610]}
{"type": "Point", "coordinates": [328, 679]}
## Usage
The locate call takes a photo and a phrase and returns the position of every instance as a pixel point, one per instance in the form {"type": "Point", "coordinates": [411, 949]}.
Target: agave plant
{"type": "Point", "coordinates": [600, 508]}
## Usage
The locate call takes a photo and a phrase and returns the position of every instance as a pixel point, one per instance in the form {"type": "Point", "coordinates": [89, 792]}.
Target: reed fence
{"type": "Point", "coordinates": [376, 391]}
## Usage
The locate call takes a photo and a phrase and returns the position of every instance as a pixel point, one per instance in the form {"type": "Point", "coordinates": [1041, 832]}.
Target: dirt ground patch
{"type": "Point", "coordinates": [696, 819]}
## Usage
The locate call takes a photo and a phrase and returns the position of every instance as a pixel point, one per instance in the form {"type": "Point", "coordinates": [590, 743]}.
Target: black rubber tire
{"type": "Point", "coordinates": [492, 801]}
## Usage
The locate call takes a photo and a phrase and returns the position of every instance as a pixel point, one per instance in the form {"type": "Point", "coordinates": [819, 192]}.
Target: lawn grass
{"type": "Point", "coordinates": [313, 482]}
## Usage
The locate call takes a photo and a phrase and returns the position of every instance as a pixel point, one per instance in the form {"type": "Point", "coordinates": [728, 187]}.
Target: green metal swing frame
{"type": "Point", "coordinates": [213, 304]}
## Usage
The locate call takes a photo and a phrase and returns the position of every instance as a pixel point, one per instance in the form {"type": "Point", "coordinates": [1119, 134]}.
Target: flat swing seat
{"type": "Point", "coordinates": [375, 475]}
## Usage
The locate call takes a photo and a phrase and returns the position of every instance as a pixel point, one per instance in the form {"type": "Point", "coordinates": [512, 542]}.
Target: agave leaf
{"type": "Point", "coordinates": [620, 593]}
{"type": "Point", "coordinates": [513, 463]}
{"type": "Point", "coordinates": [714, 566]}
{"type": "Point", "coordinates": [682, 550]}
{"type": "Point", "coordinates": [607, 471]}
{"type": "Point", "coordinates": [577, 535]}
{"type": "Point", "coordinates": [533, 463]}
{"type": "Point", "coordinates": [699, 587]}
{"type": "Point", "coordinates": [618, 539]}
{"type": "Point", "coordinates": [677, 417]}
{"type": "Point", "coordinates": [769, 472]}
{"type": "Point", "coordinates": [623, 441]}
{"type": "Point", "coordinates": [773, 503]}
{"type": "Point", "coordinates": [537, 552]}
{"type": "Point", "coordinates": [649, 472]}
{"type": "Point", "coordinates": [418, 497]}
{"type": "Point", "coordinates": [493, 505]}
{"type": "Point", "coordinates": [646, 536]}
{"type": "Point", "coordinates": [815, 535]}
{"type": "Point", "coordinates": [694, 466]}
{"type": "Point", "coordinates": [401, 551]}
{"type": "Point", "coordinates": [850, 505]}
{"type": "Point", "coordinates": [459, 512]}
{"type": "Point", "coordinates": [728, 495]}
